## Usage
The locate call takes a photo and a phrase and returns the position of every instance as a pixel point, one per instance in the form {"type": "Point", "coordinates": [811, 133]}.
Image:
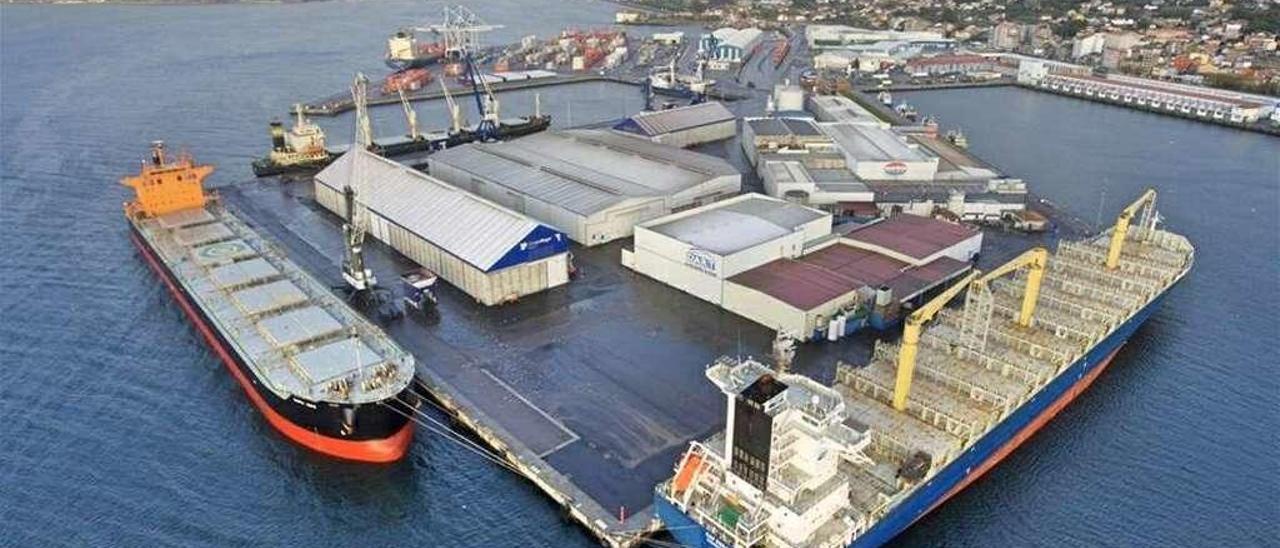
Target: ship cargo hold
{"type": "Point", "coordinates": [856, 463]}
{"type": "Point", "coordinates": [322, 375]}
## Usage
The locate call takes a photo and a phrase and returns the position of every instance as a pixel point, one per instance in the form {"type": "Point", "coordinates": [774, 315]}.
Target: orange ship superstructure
{"type": "Point", "coordinates": [163, 187]}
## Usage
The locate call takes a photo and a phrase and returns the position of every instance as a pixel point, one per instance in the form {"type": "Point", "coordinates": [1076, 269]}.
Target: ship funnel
{"type": "Point", "coordinates": [277, 135]}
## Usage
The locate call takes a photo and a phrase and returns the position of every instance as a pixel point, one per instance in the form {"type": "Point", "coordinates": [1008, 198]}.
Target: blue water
{"type": "Point", "coordinates": [121, 429]}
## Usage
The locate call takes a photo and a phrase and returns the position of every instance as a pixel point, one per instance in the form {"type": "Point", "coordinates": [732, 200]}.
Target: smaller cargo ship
{"type": "Point", "coordinates": [321, 374]}
{"type": "Point", "coordinates": [300, 148]}
{"type": "Point", "coordinates": [405, 51]}
{"type": "Point", "coordinates": [668, 82]}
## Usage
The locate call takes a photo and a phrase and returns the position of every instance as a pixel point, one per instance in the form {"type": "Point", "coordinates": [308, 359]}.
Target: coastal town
{"type": "Point", "coordinates": [1216, 43]}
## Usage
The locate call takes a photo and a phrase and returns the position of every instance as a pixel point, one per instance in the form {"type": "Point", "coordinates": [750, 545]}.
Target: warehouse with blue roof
{"type": "Point", "coordinates": [485, 249]}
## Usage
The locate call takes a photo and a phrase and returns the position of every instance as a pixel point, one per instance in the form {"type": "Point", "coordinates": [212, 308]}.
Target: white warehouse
{"type": "Point", "coordinates": [696, 251]}
{"type": "Point", "coordinates": [486, 250]}
{"type": "Point", "coordinates": [878, 154]}
{"type": "Point", "coordinates": [594, 185]}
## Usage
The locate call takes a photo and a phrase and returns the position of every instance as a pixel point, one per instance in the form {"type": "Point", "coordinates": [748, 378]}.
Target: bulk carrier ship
{"type": "Point", "coordinates": [321, 374]}
{"type": "Point", "coordinates": [854, 464]}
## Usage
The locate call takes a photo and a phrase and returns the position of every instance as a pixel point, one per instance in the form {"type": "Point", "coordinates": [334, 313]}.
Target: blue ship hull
{"type": "Point", "coordinates": [971, 464]}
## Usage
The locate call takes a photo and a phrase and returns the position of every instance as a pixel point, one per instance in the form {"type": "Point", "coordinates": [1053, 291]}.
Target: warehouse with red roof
{"type": "Point", "coordinates": [865, 277]}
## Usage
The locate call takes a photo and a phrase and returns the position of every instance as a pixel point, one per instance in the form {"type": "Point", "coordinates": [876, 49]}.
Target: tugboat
{"type": "Point", "coordinates": [302, 148]}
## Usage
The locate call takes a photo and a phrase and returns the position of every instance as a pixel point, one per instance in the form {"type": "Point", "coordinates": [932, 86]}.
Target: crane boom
{"type": "Point", "coordinates": [455, 112]}
{"type": "Point", "coordinates": [1145, 203]}
{"type": "Point", "coordinates": [410, 115]}
{"type": "Point", "coordinates": [911, 338]}
{"type": "Point", "coordinates": [1034, 260]}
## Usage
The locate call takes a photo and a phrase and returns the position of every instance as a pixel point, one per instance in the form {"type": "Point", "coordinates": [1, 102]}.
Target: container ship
{"type": "Point", "coordinates": [322, 375]}
{"type": "Point", "coordinates": [854, 464]}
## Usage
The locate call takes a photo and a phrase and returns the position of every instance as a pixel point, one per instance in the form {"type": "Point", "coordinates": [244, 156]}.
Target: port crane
{"type": "Point", "coordinates": [358, 277]}
{"type": "Point", "coordinates": [460, 32]}
{"type": "Point", "coordinates": [410, 115]}
{"type": "Point", "coordinates": [1034, 261]}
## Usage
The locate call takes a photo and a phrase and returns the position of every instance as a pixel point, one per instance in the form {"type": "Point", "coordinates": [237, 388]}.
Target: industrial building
{"type": "Point", "coordinates": [668, 38]}
{"type": "Point", "coordinates": [593, 185]}
{"type": "Point", "coordinates": [482, 248]}
{"type": "Point", "coordinates": [683, 126]}
{"type": "Point", "coordinates": [762, 137]}
{"type": "Point", "coordinates": [779, 264]}
{"type": "Point", "coordinates": [730, 45]}
{"type": "Point", "coordinates": [836, 289]}
{"type": "Point", "coordinates": [835, 36]}
{"type": "Point", "coordinates": [858, 167]}
{"type": "Point", "coordinates": [695, 251]}
{"type": "Point", "coordinates": [854, 49]}
{"type": "Point", "coordinates": [875, 153]}
{"type": "Point", "coordinates": [836, 190]}
{"type": "Point", "coordinates": [951, 64]}
{"type": "Point", "coordinates": [787, 100]}
{"type": "Point", "coordinates": [838, 108]}
{"type": "Point", "coordinates": [1182, 100]}
{"type": "Point", "coordinates": [868, 274]}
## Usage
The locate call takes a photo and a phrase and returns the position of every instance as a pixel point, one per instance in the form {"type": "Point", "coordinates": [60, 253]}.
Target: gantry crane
{"type": "Point", "coordinates": [1034, 260]}
{"type": "Point", "coordinates": [1146, 204]}
{"type": "Point", "coordinates": [461, 30]}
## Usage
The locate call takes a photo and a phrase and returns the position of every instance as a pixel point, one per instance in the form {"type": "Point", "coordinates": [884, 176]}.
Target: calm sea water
{"type": "Point", "coordinates": [121, 429]}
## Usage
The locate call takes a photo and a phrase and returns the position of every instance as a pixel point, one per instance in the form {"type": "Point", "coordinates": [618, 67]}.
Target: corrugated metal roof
{"type": "Point", "coordinates": [467, 226]}
{"type": "Point", "coordinates": [783, 126]}
{"type": "Point", "coordinates": [584, 171]}
{"type": "Point", "coordinates": [727, 227]}
{"type": "Point", "coordinates": [873, 143]}
{"type": "Point", "coordinates": [679, 119]}
{"type": "Point", "coordinates": [740, 38]}
{"type": "Point", "coordinates": [912, 235]}
{"type": "Point", "coordinates": [834, 271]}
{"type": "Point", "coordinates": [838, 108]}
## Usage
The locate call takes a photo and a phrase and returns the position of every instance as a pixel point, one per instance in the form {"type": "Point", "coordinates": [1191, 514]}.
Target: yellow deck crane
{"type": "Point", "coordinates": [1034, 260]}
{"type": "Point", "coordinates": [1147, 205]}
